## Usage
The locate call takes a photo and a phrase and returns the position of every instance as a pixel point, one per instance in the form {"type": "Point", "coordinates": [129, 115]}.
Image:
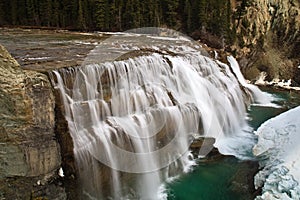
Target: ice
{"type": "Point", "coordinates": [279, 150]}
{"type": "Point", "coordinates": [275, 82]}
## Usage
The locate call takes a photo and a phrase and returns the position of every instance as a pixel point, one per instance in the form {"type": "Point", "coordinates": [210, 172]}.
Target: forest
{"type": "Point", "coordinates": [188, 16]}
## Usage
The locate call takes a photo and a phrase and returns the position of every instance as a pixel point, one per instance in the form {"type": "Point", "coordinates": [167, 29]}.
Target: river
{"type": "Point", "coordinates": [172, 91]}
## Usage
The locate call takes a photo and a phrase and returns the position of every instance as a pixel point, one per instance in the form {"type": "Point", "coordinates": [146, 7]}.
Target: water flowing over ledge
{"type": "Point", "coordinates": [139, 116]}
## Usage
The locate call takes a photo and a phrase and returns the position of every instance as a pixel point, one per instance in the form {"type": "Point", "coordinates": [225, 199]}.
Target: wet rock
{"type": "Point", "coordinates": [243, 179]}
{"type": "Point", "coordinates": [28, 149]}
{"type": "Point", "coordinates": [203, 147]}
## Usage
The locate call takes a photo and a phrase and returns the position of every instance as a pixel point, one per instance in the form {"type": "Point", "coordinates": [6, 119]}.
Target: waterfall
{"type": "Point", "coordinates": [132, 121]}
{"type": "Point", "coordinates": [257, 95]}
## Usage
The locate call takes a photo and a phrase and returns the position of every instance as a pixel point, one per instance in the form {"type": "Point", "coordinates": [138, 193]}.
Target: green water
{"type": "Point", "coordinates": [229, 178]}
{"type": "Point", "coordinates": [285, 99]}
{"type": "Point", "coordinates": [211, 181]}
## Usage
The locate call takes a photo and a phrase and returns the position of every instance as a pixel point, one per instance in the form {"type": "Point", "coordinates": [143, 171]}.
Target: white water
{"type": "Point", "coordinates": [132, 121]}
{"type": "Point", "coordinates": [279, 143]}
{"type": "Point", "coordinates": [258, 96]}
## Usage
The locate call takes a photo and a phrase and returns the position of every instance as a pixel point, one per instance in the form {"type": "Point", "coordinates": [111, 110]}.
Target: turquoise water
{"type": "Point", "coordinates": [229, 178]}
{"type": "Point", "coordinates": [210, 181]}
{"type": "Point", "coordinates": [285, 99]}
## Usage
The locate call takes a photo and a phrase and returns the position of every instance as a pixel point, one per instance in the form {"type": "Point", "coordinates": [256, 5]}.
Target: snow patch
{"type": "Point", "coordinates": [275, 82]}
{"type": "Point", "coordinates": [279, 150]}
{"type": "Point", "coordinates": [61, 172]}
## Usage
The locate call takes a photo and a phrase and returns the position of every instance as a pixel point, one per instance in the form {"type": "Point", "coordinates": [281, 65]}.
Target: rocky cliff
{"type": "Point", "coordinates": [29, 154]}
{"type": "Point", "coordinates": [269, 39]}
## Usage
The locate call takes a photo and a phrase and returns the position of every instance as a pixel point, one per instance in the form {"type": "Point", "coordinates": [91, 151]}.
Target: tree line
{"type": "Point", "coordinates": [214, 16]}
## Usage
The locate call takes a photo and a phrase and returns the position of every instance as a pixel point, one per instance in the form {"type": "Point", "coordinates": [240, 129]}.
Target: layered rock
{"type": "Point", "coordinates": [29, 153]}
{"type": "Point", "coordinates": [269, 37]}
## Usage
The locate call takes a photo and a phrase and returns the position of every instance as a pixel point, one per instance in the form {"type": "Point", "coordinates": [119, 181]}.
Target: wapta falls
{"type": "Point", "coordinates": [132, 120]}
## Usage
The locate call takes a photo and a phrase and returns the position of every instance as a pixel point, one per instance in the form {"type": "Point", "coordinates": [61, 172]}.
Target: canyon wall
{"type": "Point", "coordinates": [268, 39]}
{"type": "Point", "coordinates": [29, 153]}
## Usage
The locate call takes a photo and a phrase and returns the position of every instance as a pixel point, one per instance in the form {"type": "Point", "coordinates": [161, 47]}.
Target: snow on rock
{"type": "Point", "coordinates": [279, 150]}
{"type": "Point", "coordinates": [275, 82]}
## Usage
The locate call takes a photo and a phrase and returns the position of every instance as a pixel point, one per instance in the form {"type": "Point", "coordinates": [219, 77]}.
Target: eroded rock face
{"type": "Point", "coordinates": [269, 35]}
{"type": "Point", "coordinates": [28, 149]}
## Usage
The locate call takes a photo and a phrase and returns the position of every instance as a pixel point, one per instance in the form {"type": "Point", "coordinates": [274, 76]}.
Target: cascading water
{"type": "Point", "coordinates": [258, 96]}
{"type": "Point", "coordinates": [132, 121]}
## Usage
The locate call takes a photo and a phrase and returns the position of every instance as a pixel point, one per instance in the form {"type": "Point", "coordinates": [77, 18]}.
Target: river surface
{"type": "Point", "coordinates": [224, 178]}
{"type": "Point", "coordinates": [43, 50]}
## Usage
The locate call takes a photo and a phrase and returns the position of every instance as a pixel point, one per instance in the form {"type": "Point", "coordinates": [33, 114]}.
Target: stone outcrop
{"type": "Point", "coordinates": [29, 153]}
{"type": "Point", "coordinates": [269, 39]}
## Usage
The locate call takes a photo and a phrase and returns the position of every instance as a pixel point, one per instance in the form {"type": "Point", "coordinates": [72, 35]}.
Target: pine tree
{"type": "Point", "coordinates": [214, 16]}
{"type": "Point", "coordinates": [102, 14]}
{"type": "Point", "coordinates": [188, 16]}
{"type": "Point", "coordinates": [22, 18]}
{"type": "Point", "coordinates": [152, 13]}
{"type": "Point", "coordinates": [55, 19]}
{"type": "Point", "coordinates": [2, 13]}
{"type": "Point", "coordinates": [132, 16]}
{"type": "Point", "coordinates": [89, 10]}
{"type": "Point", "coordinates": [171, 12]}
{"type": "Point", "coordinates": [14, 12]}
{"type": "Point", "coordinates": [68, 13]}
{"type": "Point", "coordinates": [116, 13]}
{"type": "Point", "coordinates": [45, 10]}
{"type": "Point", "coordinates": [81, 17]}
{"type": "Point", "coordinates": [31, 13]}
{"type": "Point", "coordinates": [203, 14]}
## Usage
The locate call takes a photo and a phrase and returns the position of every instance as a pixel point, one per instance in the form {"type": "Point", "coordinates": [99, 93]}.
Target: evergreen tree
{"type": "Point", "coordinates": [132, 16]}
{"type": "Point", "coordinates": [89, 10]}
{"type": "Point", "coordinates": [45, 10]}
{"type": "Point", "coordinates": [214, 16]}
{"type": "Point", "coordinates": [55, 19]}
{"type": "Point", "coordinates": [128, 15]}
{"type": "Point", "coordinates": [152, 13]}
{"type": "Point", "coordinates": [81, 16]}
{"type": "Point", "coordinates": [203, 13]}
{"type": "Point", "coordinates": [102, 14]}
{"type": "Point", "coordinates": [31, 12]}
{"type": "Point", "coordinates": [66, 9]}
{"type": "Point", "coordinates": [116, 13]}
{"type": "Point", "coordinates": [14, 11]}
{"type": "Point", "coordinates": [2, 13]}
{"type": "Point", "coordinates": [188, 16]}
{"type": "Point", "coordinates": [170, 10]}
